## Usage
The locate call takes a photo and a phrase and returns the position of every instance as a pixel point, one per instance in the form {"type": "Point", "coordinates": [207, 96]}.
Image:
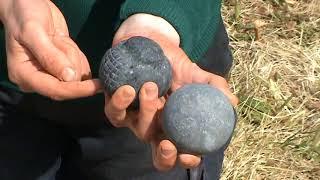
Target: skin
{"type": "Point", "coordinates": [146, 123]}
{"type": "Point", "coordinates": [42, 58]}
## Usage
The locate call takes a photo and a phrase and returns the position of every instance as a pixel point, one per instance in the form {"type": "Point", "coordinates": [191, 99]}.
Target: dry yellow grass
{"type": "Point", "coordinates": [276, 75]}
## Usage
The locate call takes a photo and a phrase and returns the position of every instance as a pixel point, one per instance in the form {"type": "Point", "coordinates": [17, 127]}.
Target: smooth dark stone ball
{"type": "Point", "coordinates": [198, 119]}
{"type": "Point", "coordinates": [134, 62]}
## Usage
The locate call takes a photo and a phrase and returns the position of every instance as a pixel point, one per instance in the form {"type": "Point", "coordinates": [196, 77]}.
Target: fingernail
{"type": "Point", "coordinates": [68, 74]}
{"type": "Point", "coordinates": [166, 152]}
{"type": "Point", "coordinates": [151, 91]}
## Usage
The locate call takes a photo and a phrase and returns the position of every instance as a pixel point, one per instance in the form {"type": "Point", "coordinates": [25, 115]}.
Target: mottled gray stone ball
{"type": "Point", "coordinates": [134, 62]}
{"type": "Point", "coordinates": [198, 119]}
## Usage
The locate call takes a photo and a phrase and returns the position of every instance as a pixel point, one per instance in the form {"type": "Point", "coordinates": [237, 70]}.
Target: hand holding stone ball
{"type": "Point", "coordinates": [197, 118]}
{"type": "Point", "coordinates": [134, 62]}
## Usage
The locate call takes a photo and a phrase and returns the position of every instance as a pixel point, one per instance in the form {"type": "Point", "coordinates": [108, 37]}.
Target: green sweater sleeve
{"type": "Point", "coordinates": [196, 21]}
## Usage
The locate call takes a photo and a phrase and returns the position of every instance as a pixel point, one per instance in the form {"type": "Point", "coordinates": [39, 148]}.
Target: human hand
{"type": "Point", "coordinates": [41, 57]}
{"type": "Point", "coordinates": [145, 123]}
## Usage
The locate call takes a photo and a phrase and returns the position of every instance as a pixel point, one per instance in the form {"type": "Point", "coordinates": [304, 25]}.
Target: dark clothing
{"type": "Point", "coordinates": [92, 24]}
{"type": "Point", "coordinates": [46, 140]}
{"type": "Point", "coordinates": [41, 139]}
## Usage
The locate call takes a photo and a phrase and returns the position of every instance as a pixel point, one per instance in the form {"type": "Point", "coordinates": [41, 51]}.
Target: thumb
{"type": "Point", "coordinates": [52, 60]}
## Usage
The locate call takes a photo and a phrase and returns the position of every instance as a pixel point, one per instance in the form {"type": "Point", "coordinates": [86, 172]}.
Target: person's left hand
{"type": "Point", "coordinates": [146, 123]}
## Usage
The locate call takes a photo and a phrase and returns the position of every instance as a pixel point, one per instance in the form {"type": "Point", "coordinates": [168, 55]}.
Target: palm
{"type": "Point", "coordinates": [146, 123]}
{"type": "Point", "coordinates": [53, 23]}
{"type": "Point", "coordinates": [40, 52]}
{"type": "Point", "coordinates": [186, 72]}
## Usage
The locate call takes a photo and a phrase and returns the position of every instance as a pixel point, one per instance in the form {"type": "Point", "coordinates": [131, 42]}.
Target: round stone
{"type": "Point", "coordinates": [134, 62]}
{"type": "Point", "coordinates": [198, 119]}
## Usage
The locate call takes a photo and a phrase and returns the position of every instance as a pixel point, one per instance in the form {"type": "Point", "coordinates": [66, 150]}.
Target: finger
{"type": "Point", "coordinates": [220, 83]}
{"type": "Point", "coordinates": [174, 86]}
{"type": "Point", "coordinates": [157, 118]}
{"type": "Point", "coordinates": [61, 27]}
{"type": "Point", "coordinates": [164, 154]}
{"type": "Point", "coordinates": [49, 56]}
{"type": "Point", "coordinates": [51, 87]}
{"type": "Point", "coordinates": [86, 70]}
{"type": "Point", "coordinates": [188, 161]}
{"type": "Point", "coordinates": [76, 56]}
{"type": "Point", "coordinates": [181, 73]}
{"type": "Point", "coordinates": [115, 108]}
{"type": "Point", "coordinates": [70, 49]}
{"type": "Point", "coordinates": [149, 103]}
{"type": "Point", "coordinates": [201, 76]}
{"type": "Point", "coordinates": [161, 102]}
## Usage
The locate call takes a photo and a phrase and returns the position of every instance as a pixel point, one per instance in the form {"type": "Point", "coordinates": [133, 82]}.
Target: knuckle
{"type": "Point", "coordinates": [47, 60]}
{"type": "Point", "coordinates": [107, 112]}
{"type": "Point", "coordinates": [73, 53]}
{"type": "Point", "coordinates": [16, 79]}
{"type": "Point", "coordinates": [114, 120]}
{"type": "Point", "coordinates": [13, 77]}
{"type": "Point", "coordinates": [28, 28]}
{"type": "Point", "coordinates": [24, 88]}
{"type": "Point", "coordinates": [149, 106]}
{"type": "Point", "coordinates": [69, 49]}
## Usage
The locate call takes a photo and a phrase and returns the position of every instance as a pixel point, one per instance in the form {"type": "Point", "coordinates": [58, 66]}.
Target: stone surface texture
{"type": "Point", "coordinates": [198, 119]}
{"type": "Point", "coordinates": [134, 62]}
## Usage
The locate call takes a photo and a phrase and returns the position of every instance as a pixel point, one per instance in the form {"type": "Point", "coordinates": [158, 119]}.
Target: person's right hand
{"type": "Point", "coordinates": [145, 122]}
{"type": "Point", "coordinates": [41, 57]}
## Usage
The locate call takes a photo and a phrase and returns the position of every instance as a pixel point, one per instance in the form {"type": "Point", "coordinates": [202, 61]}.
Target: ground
{"type": "Point", "coordinates": [276, 75]}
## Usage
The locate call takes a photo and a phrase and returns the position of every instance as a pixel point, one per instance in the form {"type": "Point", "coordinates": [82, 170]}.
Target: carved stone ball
{"type": "Point", "coordinates": [198, 119]}
{"type": "Point", "coordinates": [134, 62]}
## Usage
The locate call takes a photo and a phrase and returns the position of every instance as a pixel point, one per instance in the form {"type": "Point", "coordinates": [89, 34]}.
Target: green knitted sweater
{"type": "Point", "coordinates": [92, 24]}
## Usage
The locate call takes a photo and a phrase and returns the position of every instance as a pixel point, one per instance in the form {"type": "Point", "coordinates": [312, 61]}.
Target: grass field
{"type": "Point", "coordinates": [276, 75]}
